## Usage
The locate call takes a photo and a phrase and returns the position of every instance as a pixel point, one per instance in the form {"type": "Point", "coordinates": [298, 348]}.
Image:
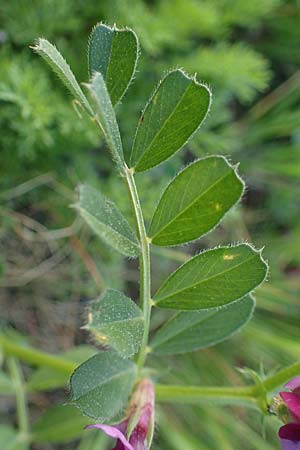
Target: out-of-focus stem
{"type": "Point", "coordinates": [282, 376]}
{"type": "Point", "coordinates": [18, 383]}
{"type": "Point", "coordinates": [198, 394]}
{"type": "Point", "coordinates": [36, 357]}
{"type": "Point", "coordinates": [164, 393]}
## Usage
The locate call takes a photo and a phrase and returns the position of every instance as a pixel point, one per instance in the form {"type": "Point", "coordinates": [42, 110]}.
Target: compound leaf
{"type": "Point", "coordinates": [115, 320]}
{"type": "Point", "coordinates": [213, 278]}
{"type": "Point", "coordinates": [113, 53]}
{"type": "Point", "coordinates": [174, 112]}
{"type": "Point", "coordinates": [106, 220]}
{"type": "Point", "coordinates": [101, 385]}
{"type": "Point", "coordinates": [189, 331]}
{"type": "Point", "coordinates": [195, 201]}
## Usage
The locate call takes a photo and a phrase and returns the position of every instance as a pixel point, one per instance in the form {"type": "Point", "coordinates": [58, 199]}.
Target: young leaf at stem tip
{"type": "Point", "coordinates": [213, 278]}
{"type": "Point", "coordinates": [105, 117]}
{"type": "Point", "coordinates": [174, 112]}
{"type": "Point", "coordinates": [114, 53]}
{"type": "Point", "coordinates": [103, 216]}
{"type": "Point", "coordinates": [115, 320]}
{"type": "Point", "coordinates": [101, 385]}
{"type": "Point", "coordinates": [59, 65]}
{"type": "Point", "coordinates": [195, 201]}
{"type": "Point", "coordinates": [190, 331]}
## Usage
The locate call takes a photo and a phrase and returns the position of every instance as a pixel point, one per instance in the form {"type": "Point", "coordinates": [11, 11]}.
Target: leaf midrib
{"type": "Point", "coordinates": [110, 53]}
{"type": "Point", "coordinates": [205, 279]}
{"type": "Point", "coordinates": [116, 84]}
{"type": "Point", "coordinates": [191, 204]}
{"type": "Point", "coordinates": [165, 121]}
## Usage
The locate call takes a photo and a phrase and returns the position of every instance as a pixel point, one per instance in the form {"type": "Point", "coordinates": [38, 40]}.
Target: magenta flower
{"type": "Point", "coordinates": [289, 434]}
{"type": "Point", "coordinates": [135, 432]}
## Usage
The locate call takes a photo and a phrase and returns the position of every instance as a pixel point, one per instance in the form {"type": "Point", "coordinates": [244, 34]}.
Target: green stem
{"type": "Point", "coordinates": [227, 395]}
{"type": "Point", "coordinates": [22, 413]}
{"type": "Point", "coordinates": [282, 376]}
{"type": "Point", "coordinates": [168, 393]}
{"type": "Point", "coordinates": [145, 276]}
{"type": "Point", "coordinates": [198, 394]}
{"type": "Point", "coordinates": [36, 357]}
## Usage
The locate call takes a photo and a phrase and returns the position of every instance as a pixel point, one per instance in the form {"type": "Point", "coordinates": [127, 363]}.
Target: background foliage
{"type": "Point", "coordinates": [51, 265]}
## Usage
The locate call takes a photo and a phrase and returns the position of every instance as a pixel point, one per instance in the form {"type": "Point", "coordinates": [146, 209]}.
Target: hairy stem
{"type": "Point", "coordinates": [145, 276]}
{"type": "Point", "coordinates": [144, 259]}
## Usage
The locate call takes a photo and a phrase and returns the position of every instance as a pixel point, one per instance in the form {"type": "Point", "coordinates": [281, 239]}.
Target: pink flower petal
{"type": "Point", "coordinates": [290, 436]}
{"type": "Point", "coordinates": [138, 437]}
{"type": "Point", "coordinates": [293, 384]}
{"type": "Point", "coordinates": [114, 432]}
{"type": "Point", "coordinates": [292, 402]}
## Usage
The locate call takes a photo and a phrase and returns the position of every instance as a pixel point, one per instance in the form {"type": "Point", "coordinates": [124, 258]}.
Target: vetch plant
{"type": "Point", "coordinates": [211, 293]}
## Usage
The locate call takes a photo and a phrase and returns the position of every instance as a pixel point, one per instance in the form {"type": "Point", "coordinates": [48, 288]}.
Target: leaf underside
{"type": "Point", "coordinates": [195, 201]}
{"type": "Point", "coordinates": [115, 320]}
{"type": "Point", "coordinates": [175, 111]}
{"type": "Point", "coordinates": [101, 385]}
{"type": "Point", "coordinates": [59, 65]}
{"type": "Point", "coordinates": [106, 117]}
{"type": "Point", "coordinates": [106, 220]}
{"type": "Point", "coordinates": [190, 331]}
{"type": "Point", "coordinates": [213, 278]}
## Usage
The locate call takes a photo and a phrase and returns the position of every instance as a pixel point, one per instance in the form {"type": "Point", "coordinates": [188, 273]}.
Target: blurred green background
{"type": "Point", "coordinates": [51, 265]}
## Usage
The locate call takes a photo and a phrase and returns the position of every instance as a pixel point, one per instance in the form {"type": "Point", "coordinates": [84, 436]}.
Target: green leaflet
{"type": "Point", "coordinates": [189, 331]}
{"type": "Point", "coordinates": [106, 117]}
{"type": "Point", "coordinates": [174, 112]}
{"type": "Point", "coordinates": [115, 320]}
{"type": "Point", "coordinates": [101, 385]}
{"type": "Point", "coordinates": [106, 220]}
{"type": "Point", "coordinates": [59, 65]}
{"type": "Point", "coordinates": [213, 278]}
{"type": "Point", "coordinates": [195, 201]}
{"type": "Point", "coordinates": [113, 53]}
{"type": "Point", "coordinates": [59, 424]}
